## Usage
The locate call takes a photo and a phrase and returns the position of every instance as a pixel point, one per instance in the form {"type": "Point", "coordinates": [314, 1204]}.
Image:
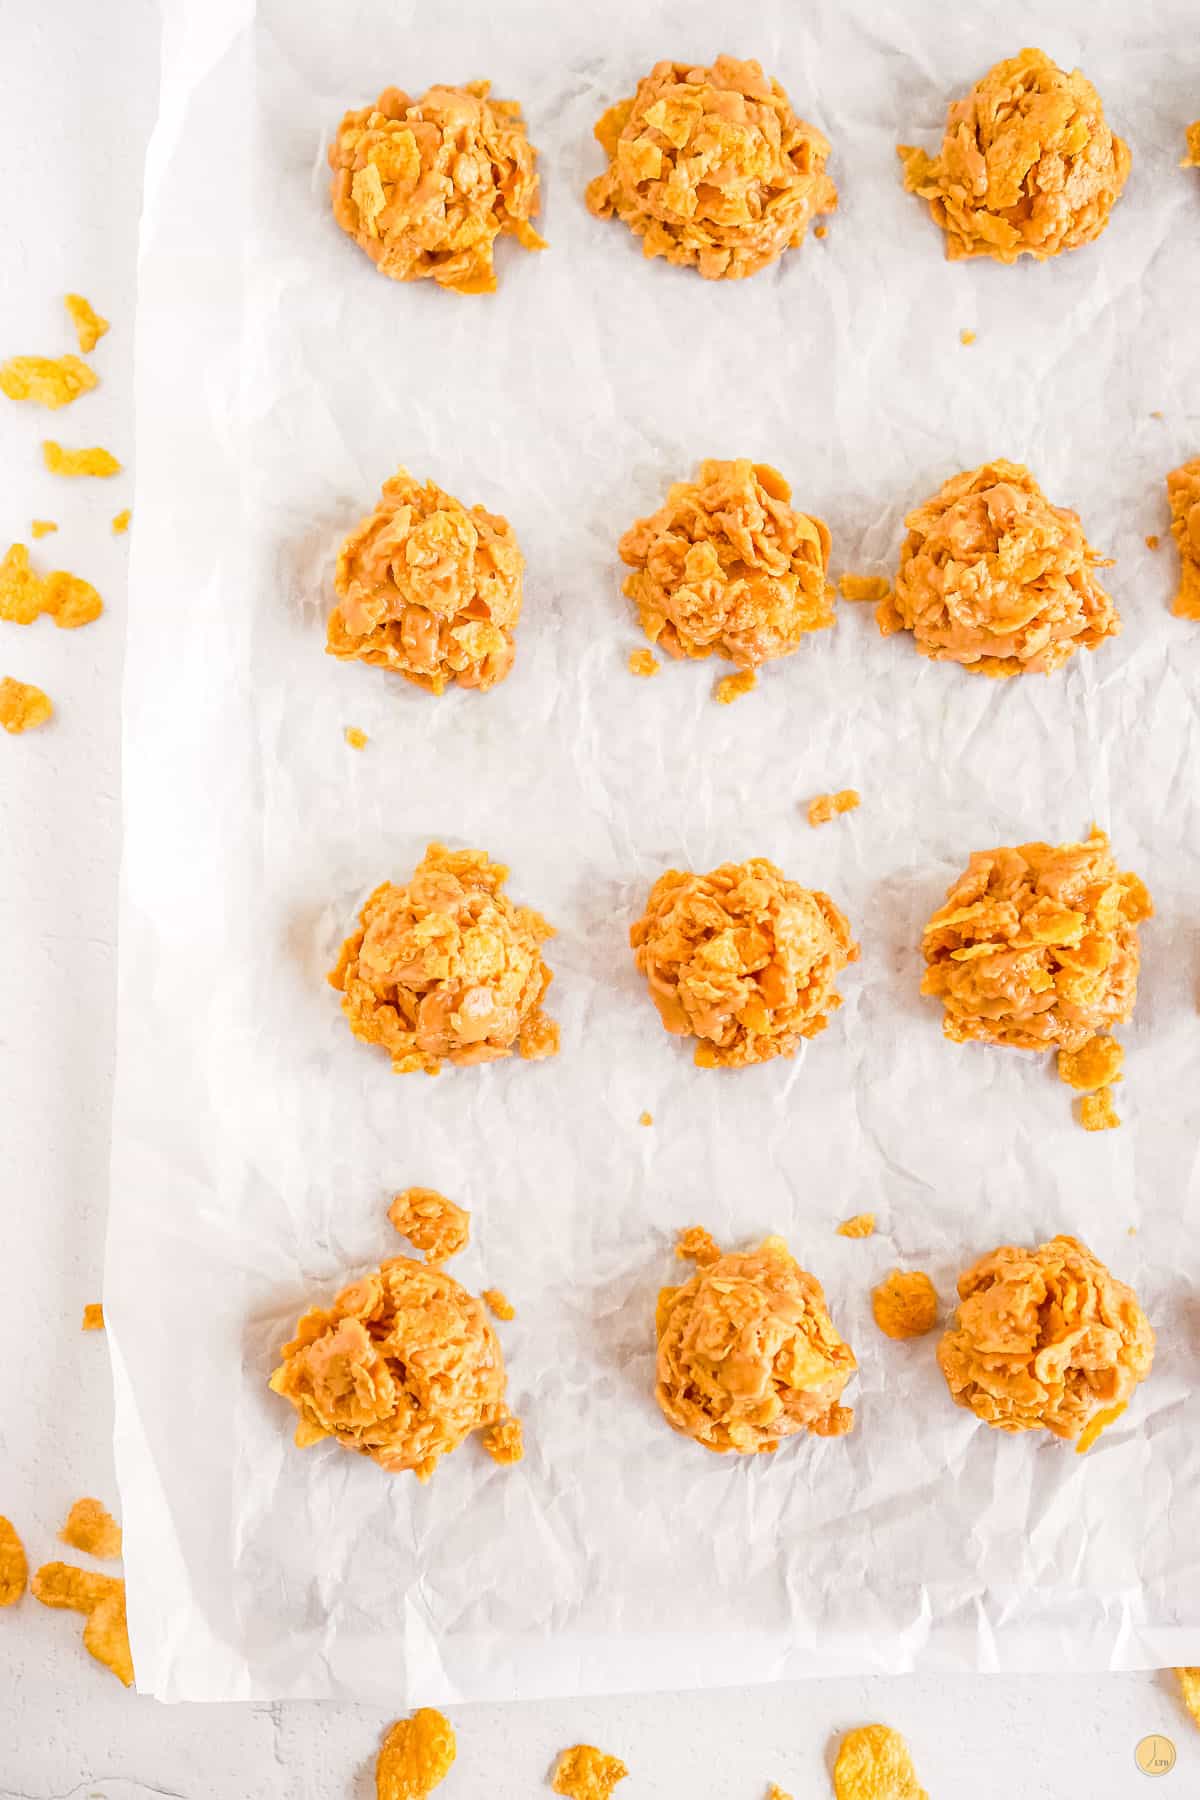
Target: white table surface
{"type": "Point", "coordinates": [79, 96]}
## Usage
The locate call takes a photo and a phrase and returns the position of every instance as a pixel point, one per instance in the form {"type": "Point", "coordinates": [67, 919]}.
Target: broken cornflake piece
{"type": "Point", "coordinates": [585, 1773]}
{"type": "Point", "coordinates": [1192, 161]}
{"type": "Point", "coordinates": [14, 1569]}
{"type": "Point", "coordinates": [89, 326]}
{"type": "Point", "coordinates": [120, 522]}
{"type": "Point", "coordinates": [1183, 493]}
{"type": "Point", "coordinates": [431, 1222]}
{"type": "Point", "coordinates": [732, 687]}
{"type": "Point", "coordinates": [22, 706]}
{"type": "Point", "coordinates": [862, 1225]}
{"type": "Point", "coordinates": [64, 1586]}
{"type": "Point", "coordinates": [498, 1304]}
{"type": "Point", "coordinates": [775, 1792]}
{"type": "Point", "coordinates": [645, 1118]}
{"type": "Point", "coordinates": [966, 337]}
{"type": "Point", "coordinates": [827, 806]}
{"type": "Point", "coordinates": [46, 380]}
{"type": "Point", "coordinates": [905, 1304]}
{"type": "Point", "coordinates": [1189, 1679]}
{"type": "Point", "coordinates": [1096, 1064]}
{"type": "Point", "coordinates": [416, 1756]}
{"type": "Point", "coordinates": [1098, 1422]}
{"type": "Point", "coordinates": [1097, 1112]}
{"type": "Point", "coordinates": [42, 528]}
{"type": "Point", "coordinates": [643, 662]}
{"type": "Point", "coordinates": [106, 1636]}
{"type": "Point", "coordinates": [78, 462]}
{"type": "Point", "coordinates": [357, 739]}
{"type": "Point", "coordinates": [93, 1317]}
{"type": "Point", "coordinates": [90, 1527]}
{"type": "Point", "coordinates": [864, 587]}
{"type": "Point", "coordinates": [1152, 540]}
{"type": "Point", "coordinates": [820, 231]}
{"type": "Point", "coordinates": [697, 1245]}
{"type": "Point", "coordinates": [505, 1441]}
{"type": "Point", "coordinates": [874, 1763]}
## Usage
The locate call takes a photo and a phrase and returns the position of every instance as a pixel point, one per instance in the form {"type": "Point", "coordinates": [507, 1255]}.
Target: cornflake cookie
{"type": "Point", "coordinates": [89, 326]}
{"type": "Point", "coordinates": [78, 462]}
{"type": "Point", "coordinates": [1044, 1339]}
{"type": "Point", "coordinates": [905, 1304]}
{"type": "Point", "coordinates": [994, 577]}
{"type": "Point", "coordinates": [426, 186]}
{"type": "Point", "coordinates": [402, 1367]}
{"type": "Point", "coordinates": [431, 1223]}
{"type": "Point", "coordinates": [23, 706]}
{"type": "Point", "coordinates": [711, 168]}
{"type": "Point", "coordinates": [416, 1756]}
{"type": "Point", "coordinates": [428, 589]}
{"type": "Point", "coordinates": [1183, 493]}
{"type": "Point", "coordinates": [1037, 946]}
{"type": "Point", "coordinates": [748, 1354]}
{"type": "Point", "coordinates": [14, 1569]}
{"type": "Point", "coordinates": [726, 566]}
{"type": "Point", "coordinates": [90, 1527]}
{"type": "Point", "coordinates": [585, 1773]}
{"type": "Point", "coordinates": [25, 596]}
{"type": "Point", "coordinates": [874, 1763]}
{"type": "Point", "coordinates": [1028, 166]}
{"type": "Point", "coordinates": [446, 968]}
{"type": "Point", "coordinates": [46, 380]}
{"type": "Point", "coordinates": [741, 959]}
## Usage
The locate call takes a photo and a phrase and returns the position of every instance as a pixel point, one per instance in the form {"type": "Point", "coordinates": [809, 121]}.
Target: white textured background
{"type": "Point", "coordinates": [79, 100]}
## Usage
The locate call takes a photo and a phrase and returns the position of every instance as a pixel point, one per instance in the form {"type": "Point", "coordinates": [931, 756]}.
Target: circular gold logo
{"type": "Point", "coordinates": [1155, 1755]}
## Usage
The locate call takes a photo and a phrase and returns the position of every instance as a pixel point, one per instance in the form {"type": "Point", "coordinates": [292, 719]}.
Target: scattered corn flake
{"type": "Point", "coordinates": [643, 662]}
{"type": "Point", "coordinates": [498, 1303]}
{"type": "Point", "coordinates": [14, 1569]}
{"type": "Point", "coordinates": [905, 1304]}
{"type": "Point", "coordinates": [1183, 493]}
{"type": "Point", "coordinates": [106, 1636]}
{"type": "Point", "coordinates": [697, 1245]}
{"type": "Point", "coordinates": [585, 1773]}
{"type": "Point", "coordinates": [827, 806]}
{"type": "Point", "coordinates": [1097, 1112]}
{"type": "Point", "coordinates": [1152, 540]}
{"type": "Point", "coordinates": [64, 1586]}
{"type": "Point", "coordinates": [93, 1317]}
{"type": "Point", "coordinates": [416, 1756]}
{"type": "Point", "coordinates": [820, 231]}
{"type": "Point", "coordinates": [505, 1441]}
{"type": "Point", "coordinates": [89, 326]}
{"type": "Point", "coordinates": [864, 587]}
{"type": "Point", "coordinates": [71, 601]}
{"type": "Point", "coordinates": [24, 595]}
{"type": "Point", "coordinates": [78, 462]}
{"type": "Point", "coordinates": [1098, 1422]}
{"type": "Point", "coordinates": [46, 380]}
{"type": "Point", "coordinates": [22, 706]}
{"type": "Point", "coordinates": [873, 1763]}
{"type": "Point", "coordinates": [1189, 1679]}
{"type": "Point", "coordinates": [1094, 1065]}
{"type": "Point", "coordinates": [732, 687]}
{"type": "Point", "coordinates": [120, 522]}
{"type": "Point", "coordinates": [1192, 159]}
{"type": "Point", "coordinates": [431, 1222]}
{"type": "Point", "coordinates": [645, 1118]}
{"type": "Point", "coordinates": [862, 1225]}
{"type": "Point", "coordinates": [1156, 415]}
{"type": "Point", "coordinates": [775, 1792]}
{"type": "Point", "coordinates": [41, 528]}
{"type": "Point", "coordinates": [966, 337]}
{"type": "Point", "coordinates": [90, 1527]}
{"type": "Point", "coordinates": [356, 738]}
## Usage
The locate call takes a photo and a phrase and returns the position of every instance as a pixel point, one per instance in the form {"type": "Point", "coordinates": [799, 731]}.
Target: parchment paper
{"type": "Point", "coordinates": [280, 380]}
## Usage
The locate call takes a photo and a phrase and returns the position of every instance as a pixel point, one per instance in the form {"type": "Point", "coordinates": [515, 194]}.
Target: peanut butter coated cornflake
{"type": "Point", "coordinates": [1094, 1065]}
{"type": "Point", "coordinates": [89, 326]}
{"type": "Point", "coordinates": [402, 1367]}
{"type": "Point", "coordinates": [994, 577]}
{"type": "Point", "coordinates": [726, 566]}
{"type": "Point", "coordinates": [1097, 1112]}
{"type": "Point", "coordinates": [1028, 166]}
{"type": "Point", "coordinates": [905, 1304]}
{"type": "Point", "coordinates": [864, 587]}
{"type": "Point", "coordinates": [734, 687]}
{"type": "Point", "coordinates": [1037, 946]}
{"type": "Point", "coordinates": [711, 168]}
{"type": "Point", "coordinates": [697, 1245]}
{"type": "Point", "coordinates": [24, 595]}
{"type": "Point", "coordinates": [1183, 493]}
{"type": "Point", "coordinates": [90, 1527]}
{"type": "Point", "coordinates": [430, 1222]}
{"type": "Point", "coordinates": [446, 968]}
{"type": "Point", "coordinates": [741, 959]}
{"type": "Point", "coordinates": [498, 1304]}
{"type": "Point", "coordinates": [14, 1569]}
{"type": "Point", "coordinates": [585, 1773]}
{"type": "Point", "coordinates": [862, 1225]}
{"type": "Point", "coordinates": [643, 663]}
{"type": "Point", "coordinates": [1044, 1339]}
{"type": "Point", "coordinates": [428, 589]}
{"type": "Point", "coordinates": [505, 1441]}
{"type": "Point", "coordinates": [748, 1354]}
{"type": "Point", "coordinates": [416, 1756]}
{"type": "Point", "coordinates": [426, 186]}
{"type": "Point", "coordinates": [23, 707]}
{"type": "Point", "coordinates": [46, 380]}
{"type": "Point", "coordinates": [824, 807]}
{"type": "Point", "coordinates": [873, 1763]}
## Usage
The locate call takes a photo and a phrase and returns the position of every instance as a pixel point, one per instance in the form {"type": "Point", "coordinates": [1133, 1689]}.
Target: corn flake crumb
{"type": "Point", "coordinates": [1152, 540]}
{"type": "Point", "coordinates": [505, 1442]}
{"type": "Point", "coordinates": [820, 231]}
{"type": "Point", "coordinates": [1192, 159]}
{"type": "Point", "coordinates": [430, 1222]}
{"type": "Point", "coordinates": [416, 1756]}
{"type": "Point", "coordinates": [643, 662]}
{"type": "Point", "coordinates": [585, 1773]}
{"type": "Point", "coordinates": [697, 1245]}
{"type": "Point", "coordinates": [966, 337]}
{"type": "Point", "coordinates": [120, 522]}
{"type": "Point", "coordinates": [41, 528]}
{"type": "Point", "coordinates": [874, 1763]}
{"type": "Point", "coordinates": [645, 1118]}
{"type": "Point", "coordinates": [862, 1225]}
{"type": "Point", "coordinates": [498, 1304]}
{"type": "Point", "coordinates": [732, 687]}
{"type": "Point", "coordinates": [90, 1527]}
{"type": "Point", "coordinates": [827, 806]}
{"type": "Point", "coordinates": [905, 1304]}
{"type": "Point", "coordinates": [23, 706]}
{"type": "Point", "coordinates": [356, 738]}
{"type": "Point", "coordinates": [14, 1569]}
{"type": "Point", "coordinates": [1183, 493]}
{"type": "Point", "coordinates": [864, 587]}
{"type": "Point", "coordinates": [78, 462]}
{"type": "Point", "coordinates": [89, 326]}
{"type": "Point", "coordinates": [93, 1317]}
{"type": "Point", "coordinates": [1097, 1112]}
{"type": "Point", "coordinates": [1094, 1065]}
{"type": "Point", "coordinates": [24, 595]}
{"type": "Point", "coordinates": [1189, 1679]}
{"type": "Point", "coordinates": [46, 380]}
{"type": "Point", "coordinates": [1100, 1421]}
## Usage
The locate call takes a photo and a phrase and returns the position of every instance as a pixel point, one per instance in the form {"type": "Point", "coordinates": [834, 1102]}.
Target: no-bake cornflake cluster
{"type": "Point", "coordinates": [711, 168]}
{"type": "Point", "coordinates": [426, 186]}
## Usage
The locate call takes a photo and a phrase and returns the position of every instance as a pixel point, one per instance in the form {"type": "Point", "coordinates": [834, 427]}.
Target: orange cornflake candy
{"type": "Point", "coordinates": [697, 1245]}
{"type": "Point", "coordinates": [426, 186]}
{"type": "Point", "coordinates": [402, 1367]}
{"type": "Point", "coordinates": [428, 589]}
{"type": "Point", "coordinates": [357, 740]}
{"type": "Point", "coordinates": [1094, 1065]}
{"type": "Point", "coordinates": [505, 1441]}
{"type": "Point", "coordinates": [732, 687]}
{"type": "Point", "coordinates": [93, 1317]}
{"type": "Point", "coordinates": [1192, 159]}
{"type": "Point", "coordinates": [14, 1569]}
{"type": "Point", "coordinates": [89, 326]}
{"type": "Point", "coordinates": [1037, 947]}
{"type": "Point", "coordinates": [741, 959]}
{"type": "Point", "coordinates": [1097, 1112]}
{"type": "Point", "coordinates": [1183, 493]}
{"type": "Point", "coordinates": [874, 1763]}
{"type": "Point", "coordinates": [120, 522]}
{"type": "Point", "coordinates": [41, 528]}
{"type": "Point", "coordinates": [905, 1304]}
{"type": "Point", "coordinates": [727, 566]}
{"type": "Point", "coordinates": [90, 1527]}
{"type": "Point", "coordinates": [1044, 1339]}
{"type": "Point", "coordinates": [711, 168]}
{"type": "Point", "coordinates": [995, 578]}
{"type": "Point", "coordinates": [585, 1773]}
{"type": "Point", "coordinates": [864, 587]}
{"type": "Point", "coordinates": [24, 595]}
{"type": "Point", "coordinates": [23, 706]}
{"type": "Point", "coordinates": [431, 1222]}
{"type": "Point", "coordinates": [827, 806]}
{"type": "Point", "coordinates": [416, 1756]}
{"type": "Point", "coordinates": [78, 462]}
{"type": "Point", "coordinates": [1028, 165]}
{"type": "Point", "coordinates": [446, 968]}
{"type": "Point", "coordinates": [498, 1303]}
{"type": "Point", "coordinates": [862, 1225]}
{"type": "Point", "coordinates": [102, 1599]}
{"type": "Point", "coordinates": [643, 662]}
{"type": "Point", "coordinates": [1189, 1679]}
{"type": "Point", "coordinates": [748, 1354]}
{"type": "Point", "coordinates": [46, 380]}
